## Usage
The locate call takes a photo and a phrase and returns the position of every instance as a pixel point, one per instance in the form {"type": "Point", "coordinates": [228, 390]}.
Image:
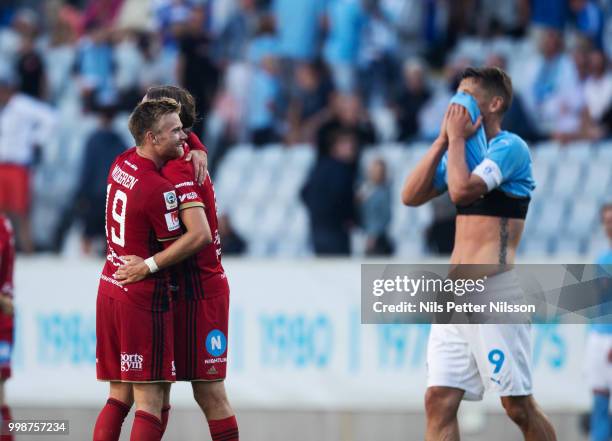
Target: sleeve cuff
{"type": "Point", "coordinates": [191, 204]}
{"type": "Point", "coordinates": [490, 173]}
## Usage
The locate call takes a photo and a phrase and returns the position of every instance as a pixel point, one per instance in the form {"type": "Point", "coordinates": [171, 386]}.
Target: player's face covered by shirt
{"type": "Point", "coordinates": [483, 98]}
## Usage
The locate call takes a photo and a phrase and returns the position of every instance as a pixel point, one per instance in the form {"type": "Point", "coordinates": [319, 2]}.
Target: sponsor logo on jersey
{"type": "Point", "coordinates": [122, 178]}
{"type": "Point", "coordinates": [170, 198]}
{"type": "Point", "coordinates": [172, 220]}
{"type": "Point", "coordinates": [131, 362]}
{"type": "Point", "coordinates": [215, 360]}
{"type": "Point", "coordinates": [212, 371]}
{"type": "Point", "coordinates": [173, 369]}
{"type": "Point", "coordinates": [216, 343]}
{"type": "Point", "coordinates": [189, 196]}
{"type": "Point", "coordinates": [184, 184]}
{"type": "Point", "coordinates": [129, 164]}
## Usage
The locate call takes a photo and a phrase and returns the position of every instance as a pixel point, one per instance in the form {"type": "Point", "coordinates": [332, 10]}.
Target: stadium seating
{"type": "Point", "coordinates": [572, 182]}
{"type": "Point", "coordinates": [259, 189]}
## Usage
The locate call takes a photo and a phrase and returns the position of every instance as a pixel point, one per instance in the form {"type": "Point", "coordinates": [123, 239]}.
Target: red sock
{"type": "Point", "coordinates": [224, 430]}
{"type": "Point", "coordinates": [164, 417]}
{"type": "Point", "coordinates": [6, 417]}
{"type": "Point", "coordinates": [110, 420]}
{"type": "Point", "coordinates": [146, 427]}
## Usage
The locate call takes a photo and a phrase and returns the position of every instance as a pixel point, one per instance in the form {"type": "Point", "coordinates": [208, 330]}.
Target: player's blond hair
{"type": "Point", "coordinates": [147, 114]}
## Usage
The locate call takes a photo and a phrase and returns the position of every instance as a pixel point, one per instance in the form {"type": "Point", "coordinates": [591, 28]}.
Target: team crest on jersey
{"type": "Point", "coordinates": [171, 201]}
{"type": "Point", "coordinates": [172, 220]}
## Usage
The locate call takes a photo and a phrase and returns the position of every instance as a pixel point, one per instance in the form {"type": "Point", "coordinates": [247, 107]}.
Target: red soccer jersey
{"type": "Point", "coordinates": [7, 262]}
{"type": "Point", "coordinates": [194, 143]}
{"type": "Point", "coordinates": [141, 212]}
{"type": "Point", "coordinates": [201, 275]}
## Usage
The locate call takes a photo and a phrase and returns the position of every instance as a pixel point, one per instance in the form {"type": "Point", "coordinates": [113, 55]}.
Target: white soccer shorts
{"type": "Point", "coordinates": [479, 357]}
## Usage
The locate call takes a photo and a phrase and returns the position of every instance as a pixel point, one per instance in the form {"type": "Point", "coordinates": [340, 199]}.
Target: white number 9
{"type": "Point", "coordinates": [119, 217]}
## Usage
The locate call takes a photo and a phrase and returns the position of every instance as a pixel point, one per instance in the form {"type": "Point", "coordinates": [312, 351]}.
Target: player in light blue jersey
{"type": "Point", "coordinates": [599, 349]}
{"type": "Point", "coordinates": [489, 178]}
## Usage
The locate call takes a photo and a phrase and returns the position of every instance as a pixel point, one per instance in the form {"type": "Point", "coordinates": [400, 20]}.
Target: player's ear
{"type": "Point", "coordinates": [150, 137]}
{"type": "Point", "coordinates": [496, 104]}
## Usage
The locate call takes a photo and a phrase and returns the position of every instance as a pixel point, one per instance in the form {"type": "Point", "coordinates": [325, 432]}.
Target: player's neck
{"type": "Point", "coordinates": [492, 129]}
{"type": "Point", "coordinates": [145, 152]}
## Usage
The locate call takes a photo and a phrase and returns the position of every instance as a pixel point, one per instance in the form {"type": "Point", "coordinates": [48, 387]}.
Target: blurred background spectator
{"type": "Point", "coordinates": [102, 146]}
{"type": "Point", "coordinates": [413, 93]}
{"type": "Point", "coordinates": [292, 77]}
{"type": "Point", "coordinates": [329, 195]}
{"type": "Point", "coordinates": [233, 244]}
{"type": "Point", "coordinates": [374, 198]}
{"type": "Point", "coordinates": [25, 126]}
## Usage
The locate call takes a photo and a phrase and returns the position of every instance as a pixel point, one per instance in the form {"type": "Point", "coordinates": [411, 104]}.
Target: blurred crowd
{"type": "Point", "coordinates": [337, 74]}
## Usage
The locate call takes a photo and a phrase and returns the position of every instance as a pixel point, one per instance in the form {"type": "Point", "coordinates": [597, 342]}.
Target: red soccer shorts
{"type": "Point", "coordinates": [14, 189]}
{"type": "Point", "coordinates": [200, 338]}
{"type": "Point", "coordinates": [133, 344]}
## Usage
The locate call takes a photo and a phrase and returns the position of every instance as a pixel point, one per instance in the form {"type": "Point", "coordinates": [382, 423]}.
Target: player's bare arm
{"type": "Point", "coordinates": [418, 187]}
{"type": "Point", "coordinates": [463, 186]}
{"type": "Point", "coordinates": [200, 164]}
{"type": "Point", "coordinates": [196, 237]}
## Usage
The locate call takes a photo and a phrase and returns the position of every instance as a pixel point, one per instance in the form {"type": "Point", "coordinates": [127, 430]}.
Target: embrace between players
{"type": "Point", "coordinates": [163, 299]}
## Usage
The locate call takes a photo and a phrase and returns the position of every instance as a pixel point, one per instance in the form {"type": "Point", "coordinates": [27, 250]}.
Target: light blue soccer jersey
{"type": "Point", "coordinates": [604, 328]}
{"type": "Point", "coordinates": [475, 147]}
{"type": "Point", "coordinates": [504, 163]}
{"type": "Point", "coordinates": [507, 166]}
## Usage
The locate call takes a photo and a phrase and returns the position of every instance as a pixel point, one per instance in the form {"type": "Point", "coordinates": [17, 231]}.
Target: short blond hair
{"type": "Point", "coordinates": [147, 114]}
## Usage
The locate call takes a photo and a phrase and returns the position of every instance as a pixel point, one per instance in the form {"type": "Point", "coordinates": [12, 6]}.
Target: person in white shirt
{"type": "Point", "coordinates": [598, 86]}
{"type": "Point", "coordinates": [25, 125]}
{"type": "Point", "coordinates": [553, 94]}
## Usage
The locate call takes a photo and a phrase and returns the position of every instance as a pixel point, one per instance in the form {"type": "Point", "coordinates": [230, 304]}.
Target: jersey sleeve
{"type": "Point", "coordinates": [440, 181]}
{"type": "Point", "coordinates": [180, 174]}
{"type": "Point", "coordinates": [161, 208]}
{"type": "Point", "coordinates": [503, 159]}
{"type": "Point", "coordinates": [7, 261]}
{"type": "Point", "coordinates": [194, 143]}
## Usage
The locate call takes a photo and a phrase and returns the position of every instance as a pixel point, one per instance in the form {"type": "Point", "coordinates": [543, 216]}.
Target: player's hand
{"type": "Point", "coordinates": [6, 304]}
{"type": "Point", "coordinates": [200, 164]}
{"type": "Point", "coordinates": [459, 124]}
{"type": "Point", "coordinates": [133, 270]}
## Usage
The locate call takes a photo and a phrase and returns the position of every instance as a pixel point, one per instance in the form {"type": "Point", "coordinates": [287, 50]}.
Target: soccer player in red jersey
{"type": "Point", "coordinates": [202, 307]}
{"type": "Point", "coordinates": [7, 260]}
{"type": "Point", "coordinates": [134, 327]}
